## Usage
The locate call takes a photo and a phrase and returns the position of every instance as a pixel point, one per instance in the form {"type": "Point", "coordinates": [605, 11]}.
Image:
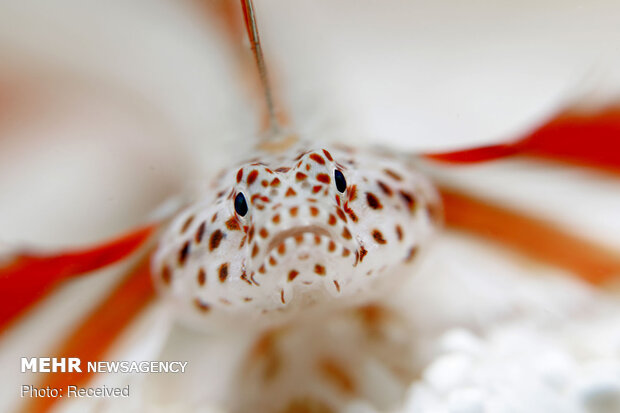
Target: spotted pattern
{"type": "Point", "coordinates": [252, 177]}
{"type": "Point", "coordinates": [216, 239]}
{"type": "Point", "coordinates": [200, 232]}
{"type": "Point", "coordinates": [324, 178]}
{"type": "Point", "coordinates": [183, 252]}
{"type": "Point", "coordinates": [317, 158]}
{"type": "Point", "coordinates": [223, 272]}
{"type": "Point", "coordinates": [201, 306]}
{"type": "Point", "coordinates": [187, 223]}
{"type": "Point", "coordinates": [378, 236]}
{"type": "Point", "coordinates": [385, 188]}
{"type": "Point", "coordinates": [202, 277]}
{"type": "Point", "coordinates": [409, 199]}
{"type": "Point", "coordinates": [373, 201]}
{"type": "Point", "coordinates": [301, 235]}
{"type": "Point", "coordinates": [232, 224]}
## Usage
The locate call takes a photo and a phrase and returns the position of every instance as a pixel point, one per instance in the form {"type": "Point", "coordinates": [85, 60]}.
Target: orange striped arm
{"type": "Point", "coordinates": [533, 237]}
{"type": "Point", "coordinates": [29, 276]}
{"type": "Point", "coordinates": [95, 335]}
{"type": "Point", "coordinates": [587, 139]}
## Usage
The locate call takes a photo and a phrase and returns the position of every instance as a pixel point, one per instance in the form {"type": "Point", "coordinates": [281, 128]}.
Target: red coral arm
{"type": "Point", "coordinates": [97, 332]}
{"type": "Point", "coordinates": [588, 139]}
{"type": "Point", "coordinates": [531, 236]}
{"type": "Point", "coordinates": [29, 276]}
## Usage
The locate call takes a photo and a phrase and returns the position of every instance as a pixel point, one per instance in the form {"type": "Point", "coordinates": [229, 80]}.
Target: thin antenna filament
{"type": "Point", "coordinates": [250, 24]}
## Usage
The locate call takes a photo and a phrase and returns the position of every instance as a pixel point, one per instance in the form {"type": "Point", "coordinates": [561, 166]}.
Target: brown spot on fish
{"type": "Point", "coordinates": [183, 252]}
{"type": "Point", "coordinates": [215, 239]}
{"type": "Point", "coordinates": [393, 174]}
{"type": "Point", "coordinates": [252, 177]}
{"type": "Point", "coordinates": [319, 269]}
{"type": "Point", "coordinates": [200, 232]}
{"type": "Point", "coordinates": [202, 276]}
{"type": "Point", "coordinates": [341, 215]}
{"type": "Point", "coordinates": [378, 236]}
{"type": "Point", "coordinates": [317, 158]}
{"type": "Point", "coordinates": [244, 277]}
{"type": "Point", "coordinates": [323, 178]}
{"type": "Point", "coordinates": [332, 246]}
{"type": "Point", "coordinates": [203, 307]}
{"type": "Point", "coordinates": [336, 374]}
{"type": "Point", "coordinates": [352, 215]}
{"type": "Point", "coordinates": [292, 275]}
{"type": "Point", "coordinates": [362, 253]}
{"type": "Point", "coordinates": [232, 224]}
{"type": "Point", "coordinates": [373, 201]}
{"type": "Point", "coordinates": [187, 223]}
{"type": "Point", "coordinates": [255, 250]}
{"type": "Point", "coordinates": [337, 285]}
{"type": "Point", "coordinates": [411, 254]}
{"type": "Point", "coordinates": [331, 220]}
{"type": "Point", "coordinates": [352, 192]}
{"type": "Point", "coordinates": [385, 188]}
{"type": "Point", "coordinates": [282, 249]}
{"type": "Point", "coordinates": [409, 199]}
{"type": "Point", "coordinates": [346, 234]}
{"type": "Point", "coordinates": [223, 272]}
{"type": "Point", "coordinates": [399, 232]}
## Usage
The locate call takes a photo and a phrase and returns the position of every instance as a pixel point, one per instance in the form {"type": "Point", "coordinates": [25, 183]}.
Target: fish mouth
{"type": "Point", "coordinates": [302, 243]}
{"type": "Point", "coordinates": [297, 232]}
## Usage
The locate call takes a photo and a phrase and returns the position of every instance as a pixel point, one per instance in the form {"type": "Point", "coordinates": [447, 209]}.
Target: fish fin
{"type": "Point", "coordinates": [589, 139]}
{"type": "Point", "coordinates": [29, 276]}
{"type": "Point", "coordinates": [94, 336]}
{"type": "Point", "coordinates": [531, 236]}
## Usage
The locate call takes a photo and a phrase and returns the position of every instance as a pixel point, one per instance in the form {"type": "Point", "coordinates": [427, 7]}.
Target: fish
{"type": "Point", "coordinates": [307, 229]}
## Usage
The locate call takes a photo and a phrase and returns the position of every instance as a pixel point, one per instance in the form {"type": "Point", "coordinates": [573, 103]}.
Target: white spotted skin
{"type": "Point", "coordinates": [303, 247]}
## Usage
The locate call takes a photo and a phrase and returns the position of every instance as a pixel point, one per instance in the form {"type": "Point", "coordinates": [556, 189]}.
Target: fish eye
{"type": "Point", "coordinates": [341, 183]}
{"type": "Point", "coordinates": [241, 207]}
